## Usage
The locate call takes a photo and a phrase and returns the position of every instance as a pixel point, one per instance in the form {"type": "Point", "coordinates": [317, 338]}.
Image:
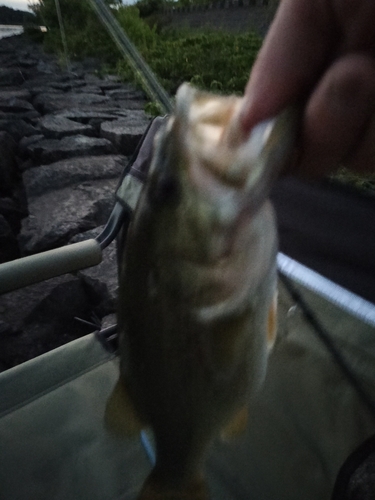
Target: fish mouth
{"type": "Point", "coordinates": [221, 155]}
{"type": "Point", "coordinates": [209, 127]}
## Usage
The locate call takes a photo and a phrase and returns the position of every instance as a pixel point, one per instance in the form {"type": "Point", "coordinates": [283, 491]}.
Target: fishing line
{"type": "Point", "coordinates": [326, 338]}
{"type": "Point", "coordinates": [141, 69]}
{"type": "Point", "coordinates": [63, 36]}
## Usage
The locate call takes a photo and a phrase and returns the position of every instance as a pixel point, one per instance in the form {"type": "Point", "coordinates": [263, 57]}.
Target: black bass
{"type": "Point", "coordinates": [197, 297]}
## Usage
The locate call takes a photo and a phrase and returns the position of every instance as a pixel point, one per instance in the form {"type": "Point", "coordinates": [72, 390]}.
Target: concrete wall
{"type": "Point", "coordinates": [228, 15]}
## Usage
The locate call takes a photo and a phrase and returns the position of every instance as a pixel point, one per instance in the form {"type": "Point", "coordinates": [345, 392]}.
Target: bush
{"type": "Point", "coordinates": [211, 60]}
{"type": "Point", "coordinates": [85, 35]}
{"type": "Point", "coordinates": [148, 7]}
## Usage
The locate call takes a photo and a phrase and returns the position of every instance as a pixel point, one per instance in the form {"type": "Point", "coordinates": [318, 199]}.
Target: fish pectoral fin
{"type": "Point", "coordinates": [121, 417]}
{"type": "Point", "coordinates": [236, 426]}
{"type": "Point", "coordinates": [272, 323]}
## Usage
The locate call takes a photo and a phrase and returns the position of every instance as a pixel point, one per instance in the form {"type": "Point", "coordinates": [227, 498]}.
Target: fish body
{"type": "Point", "coordinates": [197, 292]}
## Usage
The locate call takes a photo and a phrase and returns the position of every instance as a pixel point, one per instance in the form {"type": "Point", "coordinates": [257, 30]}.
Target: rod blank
{"type": "Point", "coordinates": [42, 266]}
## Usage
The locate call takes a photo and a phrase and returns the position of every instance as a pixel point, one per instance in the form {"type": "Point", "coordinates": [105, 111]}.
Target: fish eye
{"type": "Point", "coordinates": [165, 191]}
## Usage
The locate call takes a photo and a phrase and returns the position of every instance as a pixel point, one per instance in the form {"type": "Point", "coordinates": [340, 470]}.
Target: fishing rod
{"type": "Point", "coordinates": [141, 69]}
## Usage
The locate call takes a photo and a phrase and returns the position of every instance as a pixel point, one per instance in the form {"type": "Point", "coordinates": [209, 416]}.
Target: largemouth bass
{"type": "Point", "coordinates": [197, 296]}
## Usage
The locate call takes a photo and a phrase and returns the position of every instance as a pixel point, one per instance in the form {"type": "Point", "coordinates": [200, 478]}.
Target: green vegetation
{"type": "Point", "coordinates": [84, 33]}
{"type": "Point", "coordinates": [12, 16]}
{"type": "Point", "coordinates": [215, 61]}
{"type": "Point", "coordinates": [364, 182]}
{"type": "Point", "coordinates": [211, 60]}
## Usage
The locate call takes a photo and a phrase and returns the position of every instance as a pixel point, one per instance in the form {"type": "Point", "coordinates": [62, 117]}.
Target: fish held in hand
{"type": "Point", "coordinates": [197, 296]}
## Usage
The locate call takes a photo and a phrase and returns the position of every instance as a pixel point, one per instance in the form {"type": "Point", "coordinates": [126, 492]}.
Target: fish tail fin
{"type": "Point", "coordinates": [157, 488]}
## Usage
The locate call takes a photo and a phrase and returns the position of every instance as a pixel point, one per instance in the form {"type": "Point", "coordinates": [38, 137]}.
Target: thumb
{"type": "Point", "coordinates": [291, 59]}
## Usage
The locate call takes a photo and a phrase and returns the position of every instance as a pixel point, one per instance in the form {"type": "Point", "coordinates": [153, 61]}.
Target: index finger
{"type": "Point", "coordinates": [299, 44]}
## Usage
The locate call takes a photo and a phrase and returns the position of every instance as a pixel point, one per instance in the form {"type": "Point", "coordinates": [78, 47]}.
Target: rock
{"type": "Point", "coordinates": [25, 165]}
{"type": "Point", "coordinates": [11, 76]}
{"type": "Point", "coordinates": [47, 67]}
{"type": "Point", "coordinates": [22, 306]}
{"type": "Point", "coordinates": [123, 135]}
{"type": "Point", "coordinates": [23, 94]}
{"type": "Point", "coordinates": [25, 142]}
{"type": "Point", "coordinates": [41, 81]}
{"type": "Point", "coordinates": [103, 278]}
{"type": "Point", "coordinates": [57, 216]}
{"type": "Point", "coordinates": [87, 66]}
{"type": "Point", "coordinates": [41, 317]}
{"type": "Point", "coordinates": [17, 128]}
{"type": "Point", "coordinates": [131, 104]}
{"type": "Point", "coordinates": [124, 94]}
{"type": "Point", "coordinates": [113, 82]}
{"type": "Point", "coordinates": [15, 105]}
{"type": "Point", "coordinates": [108, 85]}
{"type": "Point", "coordinates": [88, 116]}
{"type": "Point", "coordinates": [89, 89]}
{"type": "Point", "coordinates": [92, 76]}
{"type": "Point", "coordinates": [138, 117]}
{"type": "Point", "coordinates": [5, 329]}
{"type": "Point", "coordinates": [8, 242]}
{"type": "Point", "coordinates": [27, 62]}
{"type": "Point", "coordinates": [42, 89]}
{"type": "Point", "coordinates": [57, 127]}
{"type": "Point", "coordinates": [50, 102]}
{"type": "Point", "coordinates": [64, 173]}
{"type": "Point", "coordinates": [87, 235]}
{"type": "Point", "coordinates": [26, 115]}
{"type": "Point", "coordinates": [8, 60]}
{"type": "Point", "coordinates": [67, 188]}
{"type": "Point", "coordinates": [8, 166]}
{"type": "Point", "coordinates": [12, 212]}
{"type": "Point", "coordinates": [50, 150]}
{"type": "Point", "coordinates": [68, 85]}
{"type": "Point", "coordinates": [39, 78]}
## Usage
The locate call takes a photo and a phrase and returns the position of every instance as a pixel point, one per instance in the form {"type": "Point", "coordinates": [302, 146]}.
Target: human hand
{"type": "Point", "coordinates": [320, 52]}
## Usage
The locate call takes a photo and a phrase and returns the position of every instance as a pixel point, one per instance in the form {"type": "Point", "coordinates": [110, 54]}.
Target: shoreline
{"type": "Point", "coordinates": [64, 140]}
{"type": "Point", "coordinates": [7, 31]}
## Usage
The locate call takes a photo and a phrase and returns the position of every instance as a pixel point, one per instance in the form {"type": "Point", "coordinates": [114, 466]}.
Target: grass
{"type": "Point", "coordinates": [363, 182]}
